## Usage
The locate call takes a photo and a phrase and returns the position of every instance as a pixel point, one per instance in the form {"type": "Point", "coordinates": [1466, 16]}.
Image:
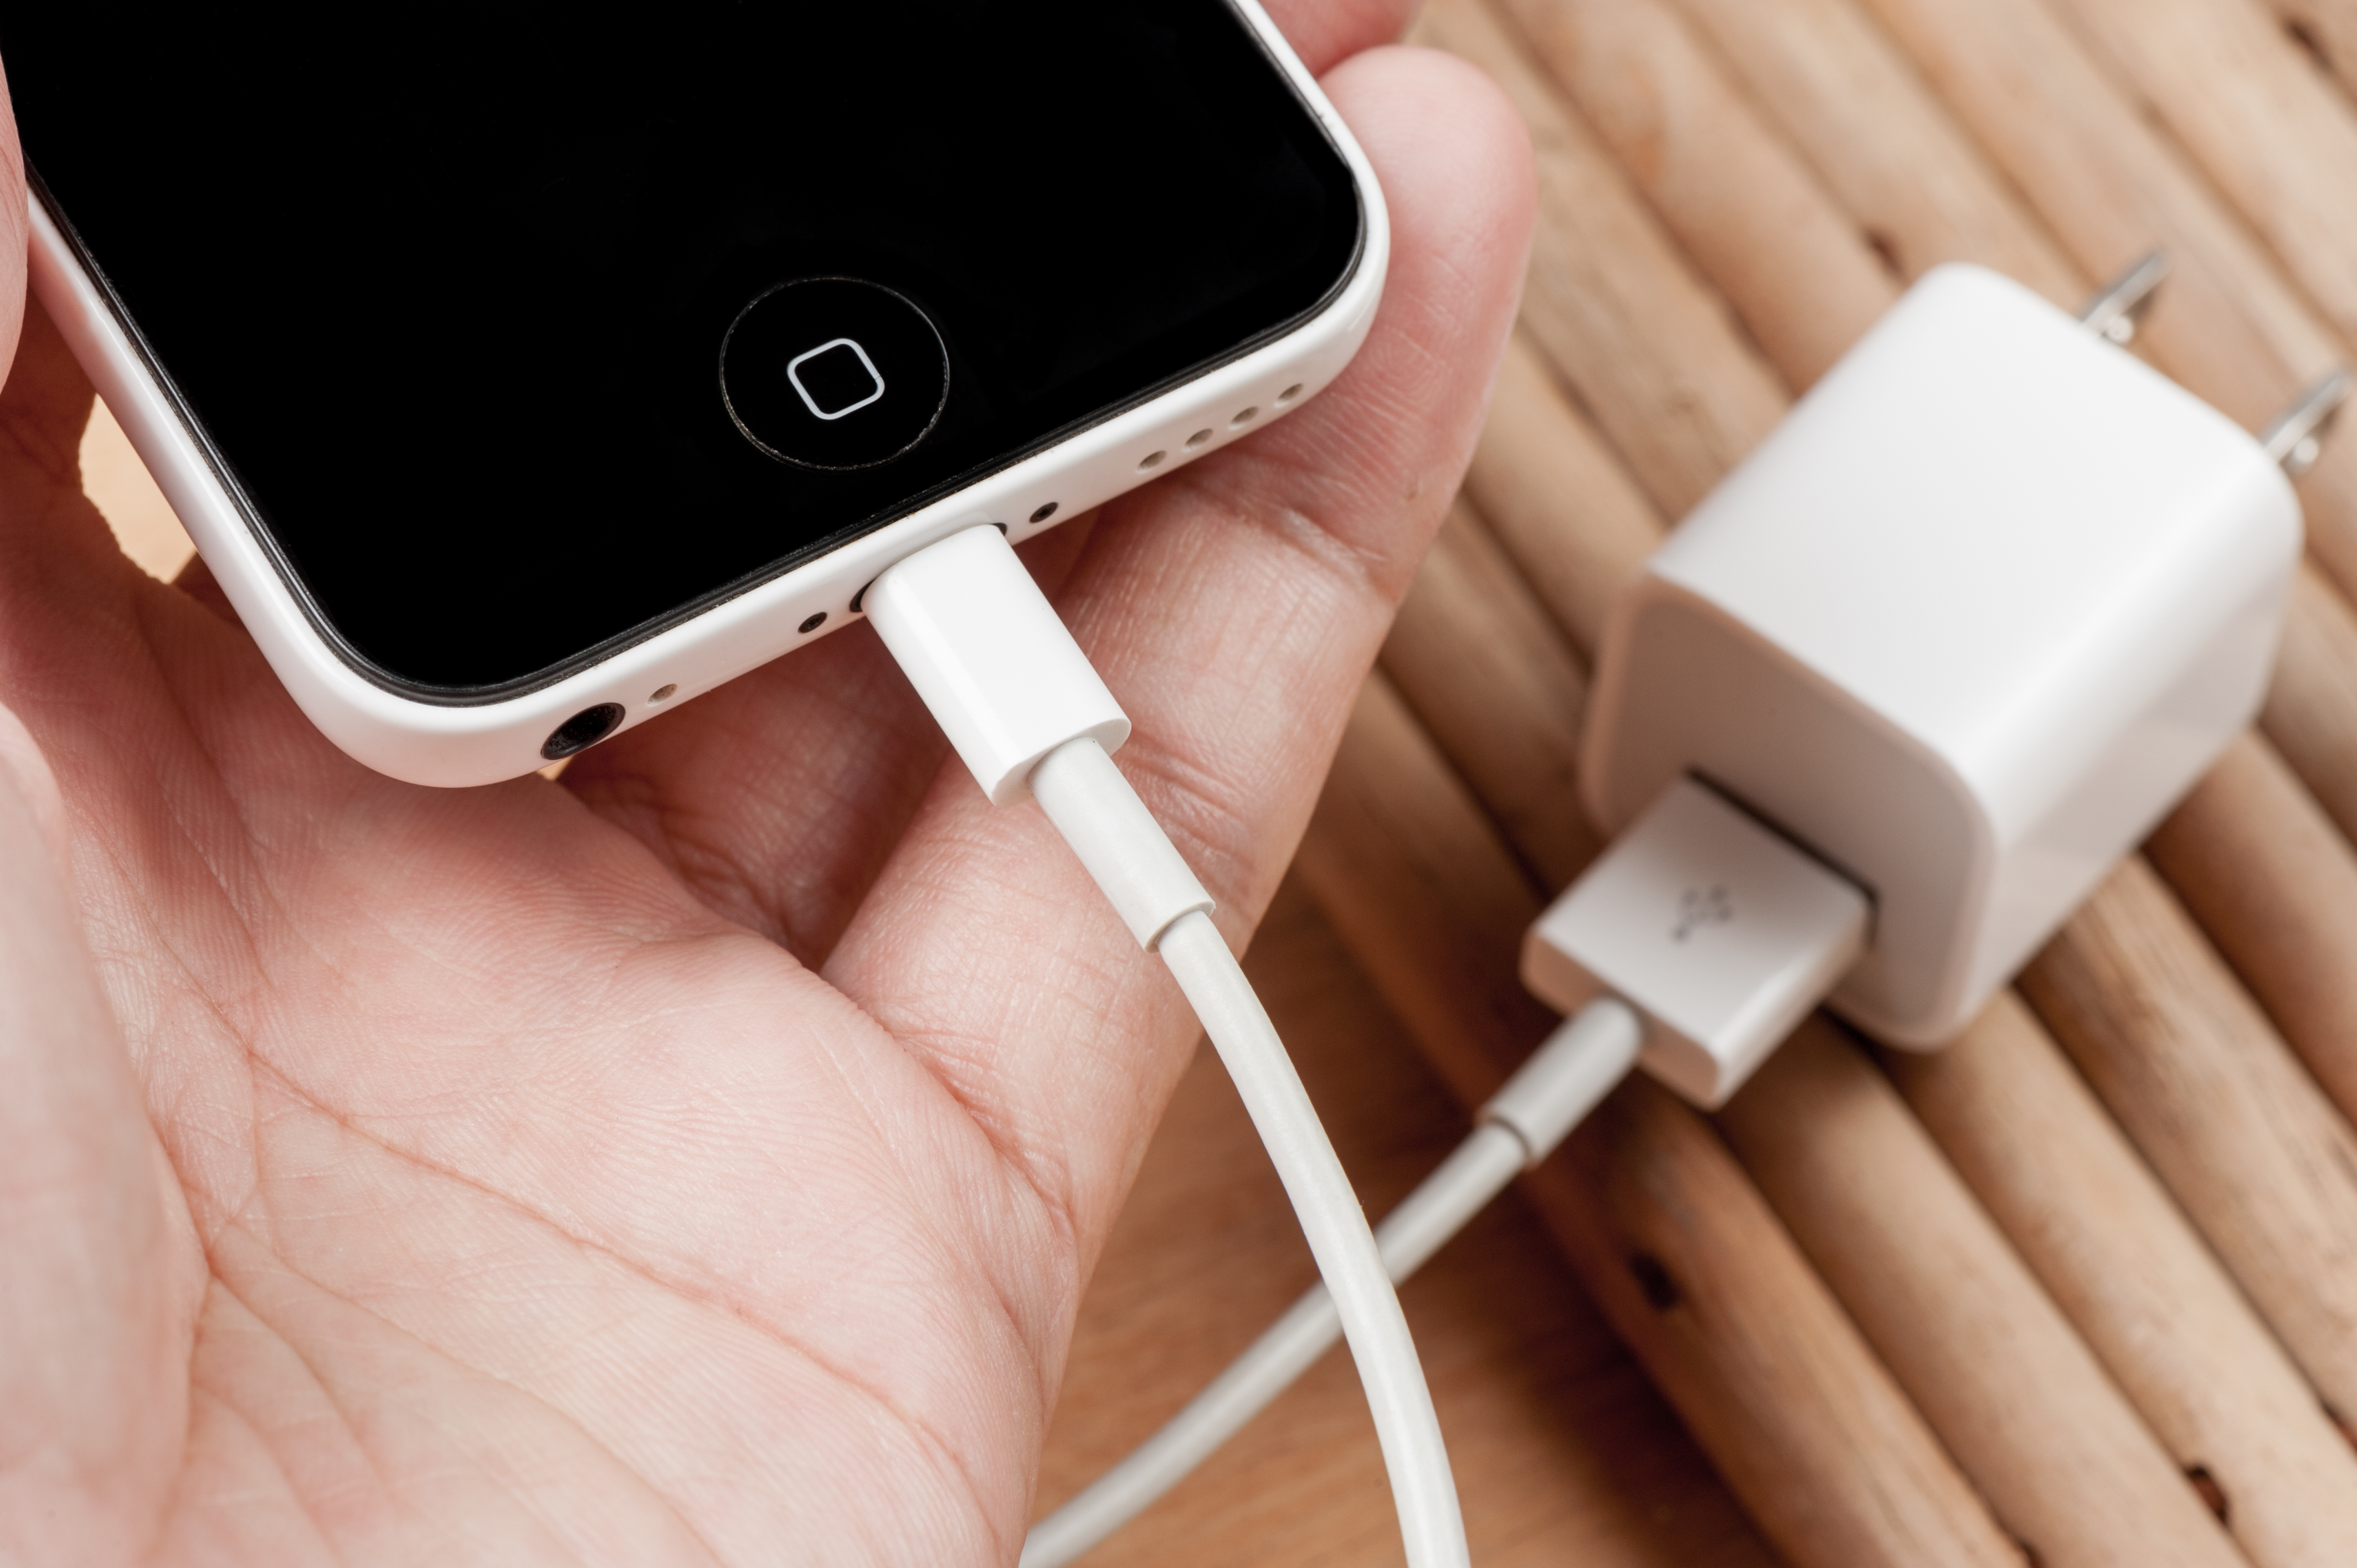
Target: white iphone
{"type": "Point", "coordinates": [523, 372]}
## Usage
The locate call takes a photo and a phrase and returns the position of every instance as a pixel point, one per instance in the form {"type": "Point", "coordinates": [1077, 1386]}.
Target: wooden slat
{"type": "Point", "coordinates": [2263, 870]}
{"type": "Point", "coordinates": [1715, 172]}
{"type": "Point", "coordinates": [2089, 1218]}
{"type": "Point", "coordinates": [2311, 711]}
{"type": "Point", "coordinates": [2247, 104]}
{"type": "Point", "coordinates": [1478, 661]}
{"type": "Point", "coordinates": [2017, 1397]}
{"type": "Point", "coordinates": [1606, 282]}
{"type": "Point", "coordinates": [2327, 29]}
{"type": "Point", "coordinates": [1918, 189]}
{"type": "Point", "coordinates": [2219, 1105]}
{"type": "Point", "coordinates": [1537, 456]}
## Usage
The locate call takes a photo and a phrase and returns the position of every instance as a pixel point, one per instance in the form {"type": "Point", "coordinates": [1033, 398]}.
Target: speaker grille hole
{"type": "Point", "coordinates": [1198, 439]}
{"type": "Point", "coordinates": [1151, 460]}
{"type": "Point", "coordinates": [1288, 395]}
{"type": "Point", "coordinates": [1244, 416]}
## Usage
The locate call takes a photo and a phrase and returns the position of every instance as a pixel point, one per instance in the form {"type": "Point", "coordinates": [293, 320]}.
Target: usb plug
{"type": "Point", "coordinates": [1719, 932]}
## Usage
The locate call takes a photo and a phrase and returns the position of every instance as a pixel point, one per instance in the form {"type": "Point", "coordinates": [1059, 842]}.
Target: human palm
{"type": "Point", "coordinates": [699, 1158]}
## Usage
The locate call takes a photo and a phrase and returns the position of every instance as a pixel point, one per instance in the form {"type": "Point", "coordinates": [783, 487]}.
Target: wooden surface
{"type": "Point", "coordinates": [2131, 1274]}
{"type": "Point", "coordinates": [1988, 1358]}
{"type": "Point", "coordinates": [2081, 1290]}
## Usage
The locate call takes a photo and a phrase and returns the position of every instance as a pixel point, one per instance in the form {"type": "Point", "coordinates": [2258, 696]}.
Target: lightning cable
{"type": "Point", "coordinates": [1029, 716]}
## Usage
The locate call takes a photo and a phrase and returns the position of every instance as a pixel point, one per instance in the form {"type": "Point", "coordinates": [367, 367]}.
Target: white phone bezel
{"type": "Point", "coordinates": [450, 745]}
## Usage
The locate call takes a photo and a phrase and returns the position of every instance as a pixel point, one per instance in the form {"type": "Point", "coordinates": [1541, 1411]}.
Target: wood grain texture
{"type": "Point", "coordinates": [1686, 1258]}
{"type": "Point", "coordinates": [2312, 710]}
{"type": "Point", "coordinates": [1713, 170]}
{"type": "Point", "coordinates": [1604, 278]}
{"type": "Point", "coordinates": [2097, 1228]}
{"type": "Point", "coordinates": [1427, 899]}
{"type": "Point", "coordinates": [1540, 459]}
{"type": "Point", "coordinates": [2263, 870]}
{"type": "Point", "coordinates": [2218, 1103]}
{"type": "Point", "coordinates": [2247, 104]}
{"type": "Point", "coordinates": [1486, 673]}
{"type": "Point", "coordinates": [1563, 1450]}
{"type": "Point", "coordinates": [1918, 187]}
{"type": "Point", "coordinates": [2015, 1395]}
{"type": "Point", "coordinates": [2327, 30]}
{"type": "Point", "coordinates": [1665, 1231]}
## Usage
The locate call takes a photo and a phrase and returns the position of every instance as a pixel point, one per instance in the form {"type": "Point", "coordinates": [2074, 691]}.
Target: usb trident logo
{"type": "Point", "coordinates": [1698, 907]}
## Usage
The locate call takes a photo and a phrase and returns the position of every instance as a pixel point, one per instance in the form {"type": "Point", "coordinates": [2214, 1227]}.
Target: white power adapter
{"type": "Point", "coordinates": [1963, 627]}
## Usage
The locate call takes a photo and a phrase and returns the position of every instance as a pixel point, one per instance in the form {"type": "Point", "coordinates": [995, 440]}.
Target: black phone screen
{"type": "Point", "coordinates": [524, 333]}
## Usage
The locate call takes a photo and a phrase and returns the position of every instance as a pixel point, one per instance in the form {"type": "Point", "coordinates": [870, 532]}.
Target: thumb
{"type": "Point", "coordinates": [15, 228]}
{"type": "Point", "coordinates": [93, 1365]}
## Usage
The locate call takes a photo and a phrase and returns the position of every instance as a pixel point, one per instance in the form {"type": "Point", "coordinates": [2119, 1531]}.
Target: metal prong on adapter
{"type": "Point", "coordinates": [2297, 437]}
{"type": "Point", "coordinates": [2114, 312]}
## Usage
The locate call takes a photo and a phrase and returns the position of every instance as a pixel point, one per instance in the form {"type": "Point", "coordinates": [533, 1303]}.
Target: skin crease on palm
{"type": "Point", "coordinates": [696, 1160]}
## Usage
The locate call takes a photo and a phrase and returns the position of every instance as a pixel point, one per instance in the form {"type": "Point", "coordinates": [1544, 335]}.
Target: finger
{"type": "Point", "coordinates": [60, 551]}
{"type": "Point", "coordinates": [1325, 33]}
{"type": "Point", "coordinates": [14, 227]}
{"type": "Point", "coordinates": [774, 798]}
{"type": "Point", "coordinates": [93, 1334]}
{"type": "Point", "coordinates": [197, 580]}
{"type": "Point", "coordinates": [44, 409]}
{"type": "Point", "coordinates": [1234, 611]}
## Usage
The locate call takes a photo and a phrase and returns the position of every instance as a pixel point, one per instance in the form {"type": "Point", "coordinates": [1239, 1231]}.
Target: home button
{"type": "Point", "coordinates": [834, 373]}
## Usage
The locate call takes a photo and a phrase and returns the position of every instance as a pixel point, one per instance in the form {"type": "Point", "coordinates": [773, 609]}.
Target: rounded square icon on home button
{"type": "Point", "coordinates": [833, 372]}
{"type": "Point", "coordinates": [834, 379]}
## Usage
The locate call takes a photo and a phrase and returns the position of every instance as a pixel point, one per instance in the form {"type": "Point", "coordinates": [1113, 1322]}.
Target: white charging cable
{"type": "Point", "coordinates": [1698, 940]}
{"type": "Point", "coordinates": [1518, 1127]}
{"type": "Point", "coordinates": [1029, 715]}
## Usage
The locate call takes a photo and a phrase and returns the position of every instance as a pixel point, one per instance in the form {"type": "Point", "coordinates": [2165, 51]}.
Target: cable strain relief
{"type": "Point", "coordinates": [1117, 838]}
{"type": "Point", "coordinates": [1577, 1067]}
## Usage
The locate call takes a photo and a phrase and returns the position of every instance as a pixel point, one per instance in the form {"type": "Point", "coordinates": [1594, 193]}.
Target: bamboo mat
{"type": "Point", "coordinates": [2083, 1290]}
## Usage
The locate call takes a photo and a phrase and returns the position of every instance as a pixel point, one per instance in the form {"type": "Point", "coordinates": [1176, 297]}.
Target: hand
{"type": "Point", "coordinates": [698, 1159]}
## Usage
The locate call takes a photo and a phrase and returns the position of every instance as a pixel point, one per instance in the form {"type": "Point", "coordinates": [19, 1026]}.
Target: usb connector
{"type": "Point", "coordinates": [1719, 932]}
